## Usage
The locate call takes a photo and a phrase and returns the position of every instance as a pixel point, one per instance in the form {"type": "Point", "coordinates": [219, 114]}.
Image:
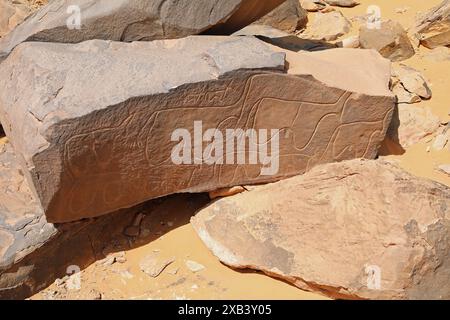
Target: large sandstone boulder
{"type": "Point", "coordinates": [133, 20]}
{"type": "Point", "coordinates": [97, 118]}
{"type": "Point", "coordinates": [353, 230]}
{"type": "Point", "coordinates": [391, 40]}
{"type": "Point", "coordinates": [34, 253]}
{"type": "Point", "coordinates": [433, 28]}
{"type": "Point", "coordinates": [289, 17]}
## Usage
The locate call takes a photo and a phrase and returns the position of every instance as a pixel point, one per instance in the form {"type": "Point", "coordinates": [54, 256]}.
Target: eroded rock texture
{"type": "Point", "coordinates": [34, 253]}
{"type": "Point", "coordinates": [73, 21]}
{"type": "Point", "coordinates": [98, 118]}
{"type": "Point", "coordinates": [433, 28]}
{"type": "Point", "coordinates": [355, 230]}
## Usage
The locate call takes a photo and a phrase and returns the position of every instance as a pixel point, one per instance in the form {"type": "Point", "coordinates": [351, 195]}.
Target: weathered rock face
{"type": "Point", "coordinates": [33, 252]}
{"type": "Point", "coordinates": [11, 15]}
{"type": "Point", "coordinates": [433, 29]}
{"type": "Point", "coordinates": [391, 40]}
{"type": "Point", "coordinates": [125, 20]}
{"type": "Point", "coordinates": [289, 16]}
{"type": "Point", "coordinates": [327, 26]}
{"type": "Point", "coordinates": [411, 124]}
{"type": "Point", "coordinates": [84, 139]}
{"type": "Point", "coordinates": [357, 229]}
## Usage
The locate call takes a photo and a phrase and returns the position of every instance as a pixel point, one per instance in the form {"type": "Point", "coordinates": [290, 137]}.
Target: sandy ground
{"type": "Point", "coordinates": [216, 281]}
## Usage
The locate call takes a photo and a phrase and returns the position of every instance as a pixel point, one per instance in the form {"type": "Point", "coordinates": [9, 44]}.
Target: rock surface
{"type": "Point", "coordinates": [133, 20]}
{"type": "Point", "coordinates": [411, 124]}
{"type": "Point", "coordinates": [433, 29]}
{"type": "Point", "coordinates": [289, 16]}
{"type": "Point", "coordinates": [33, 252]}
{"type": "Point", "coordinates": [11, 14]}
{"type": "Point", "coordinates": [410, 85]}
{"type": "Point", "coordinates": [83, 139]}
{"type": "Point", "coordinates": [353, 230]}
{"type": "Point", "coordinates": [391, 40]}
{"type": "Point", "coordinates": [327, 26]}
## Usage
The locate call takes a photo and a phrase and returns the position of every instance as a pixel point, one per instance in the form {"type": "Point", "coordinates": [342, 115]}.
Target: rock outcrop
{"type": "Point", "coordinates": [352, 230]}
{"type": "Point", "coordinates": [97, 118]}
{"type": "Point", "coordinates": [11, 15]}
{"type": "Point", "coordinates": [289, 17]}
{"type": "Point", "coordinates": [70, 21]}
{"type": "Point", "coordinates": [433, 28]}
{"type": "Point", "coordinates": [34, 253]}
{"type": "Point", "coordinates": [391, 40]}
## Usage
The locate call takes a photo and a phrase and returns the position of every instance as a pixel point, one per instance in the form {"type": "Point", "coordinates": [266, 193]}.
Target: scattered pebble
{"type": "Point", "coordinates": [194, 266]}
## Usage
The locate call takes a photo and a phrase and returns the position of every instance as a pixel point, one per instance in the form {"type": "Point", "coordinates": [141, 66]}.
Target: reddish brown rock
{"type": "Point", "coordinates": [352, 230]}
{"type": "Point", "coordinates": [33, 252]}
{"type": "Point", "coordinates": [95, 136]}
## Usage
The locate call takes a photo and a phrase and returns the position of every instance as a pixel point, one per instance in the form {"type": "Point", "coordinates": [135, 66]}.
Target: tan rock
{"type": "Point", "coordinates": [404, 96]}
{"type": "Point", "coordinates": [342, 3]}
{"type": "Point", "coordinates": [433, 28]}
{"type": "Point", "coordinates": [412, 80]}
{"type": "Point", "coordinates": [327, 26]}
{"type": "Point", "coordinates": [411, 124]}
{"type": "Point", "coordinates": [352, 230]}
{"type": "Point", "coordinates": [11, 14]}
{"type": "Point", "coordinates": [289, 16]}
{"type": "Point", "coordinates": [95, 128]}
{"type": "Point", "coordinates": [445, 168]}
{"type": "Point", "coordinates": [438, 54]}
{"type": "Point", "coordinates": [310, 5]}
{"type": "Point", "coordinates": [73, 21]}
{"type": "Point", "coordinates": [154, 264]}
{"type": "Point", "coordinates": [391, 40]}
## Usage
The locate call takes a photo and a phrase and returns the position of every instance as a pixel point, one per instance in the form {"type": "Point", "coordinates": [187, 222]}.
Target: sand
{"type": "Point", "coordinates": [216, 281]}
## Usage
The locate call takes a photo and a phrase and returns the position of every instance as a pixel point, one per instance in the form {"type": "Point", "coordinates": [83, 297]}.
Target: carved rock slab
{"type": "Point", "coordinates": [34, 253]}
{"type": "Point", "coordinates": [92, 123]}
{"type": "Point", "coordinates": [134, 20]}
{"type": "Point", "coordinates": [360, 229]}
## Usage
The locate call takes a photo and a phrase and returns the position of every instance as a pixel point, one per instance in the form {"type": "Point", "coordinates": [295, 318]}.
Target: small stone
{"type": "Point", "coordinates": [412, 80]}
{"type": "Point", "coordinates": [390, 40]}
{"type": "Point", "coordinates": [445, 168]}
{"type": "Point", "coordinates": [226, 192]}
{"type": "Point", "coordinates": [153, 264]}
{"type": "Point", "coordinates": [440, 142]}
{"type": "Point", "coordinates": [194, 266]}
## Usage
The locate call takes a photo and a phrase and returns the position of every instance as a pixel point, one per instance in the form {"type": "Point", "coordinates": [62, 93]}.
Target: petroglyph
{"type": "Point", "coordinates": [119, 153]}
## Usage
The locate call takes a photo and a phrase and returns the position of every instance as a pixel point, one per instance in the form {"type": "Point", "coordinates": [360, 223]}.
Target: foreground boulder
{"type": "Point", "coordinates": [34, 253]}
{"type": "Point", "coordinates": [99, 118]}
{"type": "Point", "coordinates": [353, 230]}
{"type": "Point", "coordinates": [70, 21]}
{"type": "Point", "coordinates": [433, 28]}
